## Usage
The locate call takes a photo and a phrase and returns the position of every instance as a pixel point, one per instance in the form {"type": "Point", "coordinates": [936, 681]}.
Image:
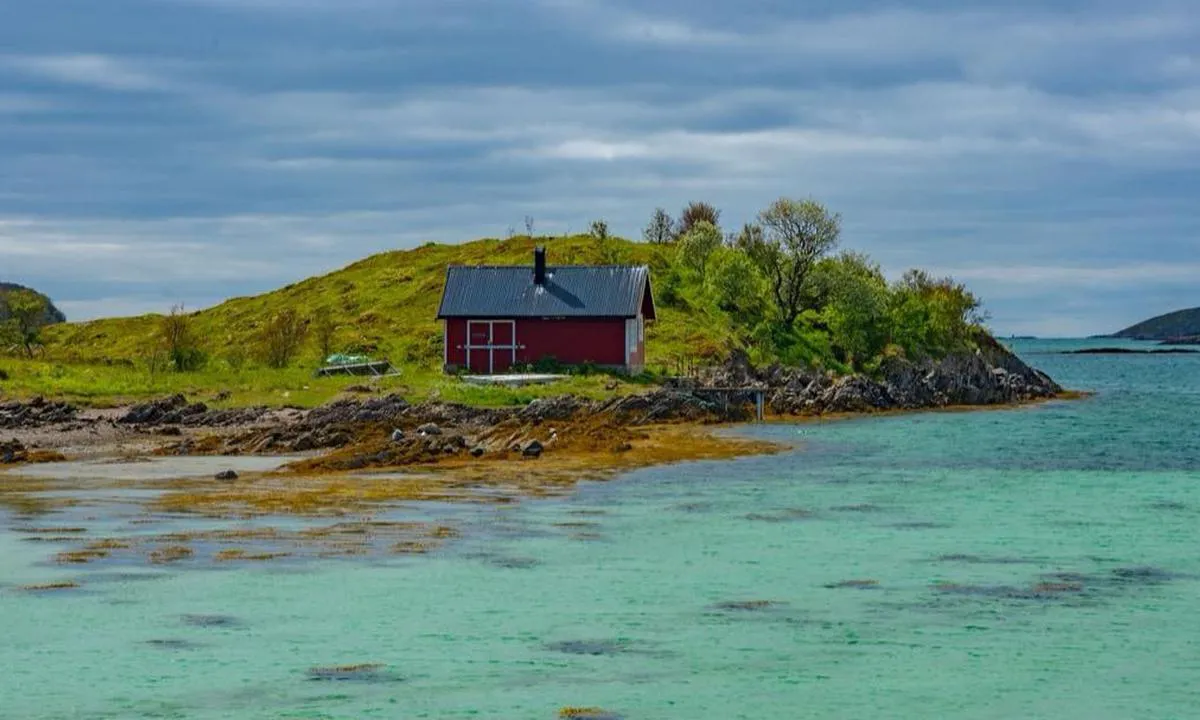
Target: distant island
{"type": "Point", "coordinates": [1181, 327]}
{"type": "Point", "coordinates": [1129, 351]}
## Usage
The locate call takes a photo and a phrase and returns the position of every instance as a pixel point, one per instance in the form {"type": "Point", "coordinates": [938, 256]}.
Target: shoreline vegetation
{"type": "Point", "coordinates": [768, 310]}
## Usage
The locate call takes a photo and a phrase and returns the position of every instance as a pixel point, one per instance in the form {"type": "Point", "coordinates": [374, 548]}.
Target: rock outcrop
{"type": "Point", "coordinates": [36, 413]}
{"type": "Point", "coordinates": [176, 410]}
{"type": "Point", "coordinates": [990, 375]}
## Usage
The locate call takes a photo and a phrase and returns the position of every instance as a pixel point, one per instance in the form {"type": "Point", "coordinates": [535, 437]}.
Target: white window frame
{"type": "Point", "coordinates": [491, 347]}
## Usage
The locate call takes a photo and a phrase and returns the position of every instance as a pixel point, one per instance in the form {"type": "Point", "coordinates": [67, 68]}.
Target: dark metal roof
{"type": "Point", "coordinates": [570, 291]}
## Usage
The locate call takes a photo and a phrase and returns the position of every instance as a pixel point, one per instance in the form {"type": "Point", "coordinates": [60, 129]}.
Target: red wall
{"type": "Point", "coordinates": [599, 341]}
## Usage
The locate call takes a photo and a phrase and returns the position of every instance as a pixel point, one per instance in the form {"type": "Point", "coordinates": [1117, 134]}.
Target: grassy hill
{"type": "Point", "coordinates": [837, 313]}
{"type": "Point", "coordinates": [384, 305]}
{"type": "Point", "coordinates": [1178, 324]}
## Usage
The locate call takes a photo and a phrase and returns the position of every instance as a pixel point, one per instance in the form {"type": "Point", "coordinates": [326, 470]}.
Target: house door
{"type": "Point", "coordinates": [504, 345]}
{"type": "Point", "coordinates": [491, 346]}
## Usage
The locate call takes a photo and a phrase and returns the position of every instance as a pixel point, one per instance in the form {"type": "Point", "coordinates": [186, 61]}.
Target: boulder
{"type": "Point", "coordinates": [478, 451]}
{"type": "Point", "coordinates": [227, 475]}
{"type": "Point", "coordinates": [11, 452]}
{"type": "Point", "coordinates": [397, 435]}
{"type": "Point", "coordinates": [532, 449]}
{"type": "Point", "coordinates": [36, 413]}
{"type": "Point", "coordinates": [561, 407]}
{"type": "Point", "coordinates": [736, 372]}
{"type": "Point", "coordinates": [429, 429]}
{"type": "Point", "coordinates": [162, 411]}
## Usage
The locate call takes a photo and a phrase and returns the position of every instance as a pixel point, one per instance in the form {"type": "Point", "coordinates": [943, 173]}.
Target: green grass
{"type": "Point", "coordinates": [384, 305]}
{"type": "Point", "coordinates": [111, 385]}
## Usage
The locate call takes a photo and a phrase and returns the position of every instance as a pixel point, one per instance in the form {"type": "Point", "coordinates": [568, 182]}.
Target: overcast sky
{"type": "Point", "coordinates": [159, 151]}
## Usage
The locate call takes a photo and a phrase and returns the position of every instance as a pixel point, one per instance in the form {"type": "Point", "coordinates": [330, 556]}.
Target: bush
{"type": "Point", "coordinates": [179, 341]}
{"type": "Point", "coordinates": [933, 317]}
{"type": "Point", "coordinates": [324, 328]}
{"type": "Point", "coordinates": [548, 365]}
{"type": "Point", "coordinates": [735, 283]}
{"type": "Point", "coordinates": [281, 337]}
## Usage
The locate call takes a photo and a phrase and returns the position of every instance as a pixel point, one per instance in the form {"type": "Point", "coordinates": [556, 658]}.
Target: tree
{"type": "Point", "coordinates": [857, 305]}
{"type": "Point", "coordinates": [697, 245]}
{"type": "Point", "coordinates": [26, 312]}
{"type": "Point", "coordinates": [661, 229]}
{"type": "Point", "coordinates": [281, 337]}
{"type": "Point", "coordinates": [178, 340]}
{"type": "Point", "coordinates": [791, 236]}
{"type": "Point", "coordinates": [696, 212]}
{"type": "Point", "coordinates": [750, 235]}
{"type": "Point", "coordinates": [734, 282]}
{"type": "Point", "coordinates": [598, 230]}
{"type": "Point", "coordinates": [324, 329]}
{"type": "Point", "coordinates": [933, 316]}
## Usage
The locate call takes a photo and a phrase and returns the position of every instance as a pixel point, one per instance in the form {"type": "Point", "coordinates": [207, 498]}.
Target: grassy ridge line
{"type": "Point", "coordinates": [385, 304]}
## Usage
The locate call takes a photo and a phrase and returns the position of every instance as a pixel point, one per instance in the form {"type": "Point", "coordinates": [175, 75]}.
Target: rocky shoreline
{"type": "Point", "coordinates": [389, 431]}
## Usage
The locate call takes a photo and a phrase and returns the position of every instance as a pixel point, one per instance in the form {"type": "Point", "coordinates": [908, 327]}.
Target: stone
{"type": "Point", "coordinates": [532, 449]}
{"type": "Point", "coordinates": [429, 429]}
{"type": "Point", "coordinates": [227, 475]}
{"type": "Point", "coordinates": [36, 413]}
{"type": "Point", "coordinates": [478, 451]}
{"type": "Point", "coordinates": [397, 435]}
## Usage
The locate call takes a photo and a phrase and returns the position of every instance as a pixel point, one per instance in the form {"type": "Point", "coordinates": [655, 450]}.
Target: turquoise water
{"type": "Point", "coordinates": [1032, 563]}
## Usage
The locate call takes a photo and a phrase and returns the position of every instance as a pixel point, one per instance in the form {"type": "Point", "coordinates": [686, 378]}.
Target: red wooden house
{"type": "Point", "coordinates": [498, 317]}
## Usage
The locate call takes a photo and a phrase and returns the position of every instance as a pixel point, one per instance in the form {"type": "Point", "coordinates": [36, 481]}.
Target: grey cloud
{"type": "Point", "coordinates": [1022, 145]}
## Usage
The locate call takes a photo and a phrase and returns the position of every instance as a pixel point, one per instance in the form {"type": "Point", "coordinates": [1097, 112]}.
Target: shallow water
{"type": "Point", "coordinates": [1038, 562]}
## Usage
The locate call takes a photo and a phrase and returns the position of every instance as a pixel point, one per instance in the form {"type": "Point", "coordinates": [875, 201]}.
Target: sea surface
{"type": "Point", "coordinates": [1041, 562]}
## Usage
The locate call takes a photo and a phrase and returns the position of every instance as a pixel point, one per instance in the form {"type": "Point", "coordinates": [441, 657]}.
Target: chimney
{"type": "Point", "coordinates": [539, 265]}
